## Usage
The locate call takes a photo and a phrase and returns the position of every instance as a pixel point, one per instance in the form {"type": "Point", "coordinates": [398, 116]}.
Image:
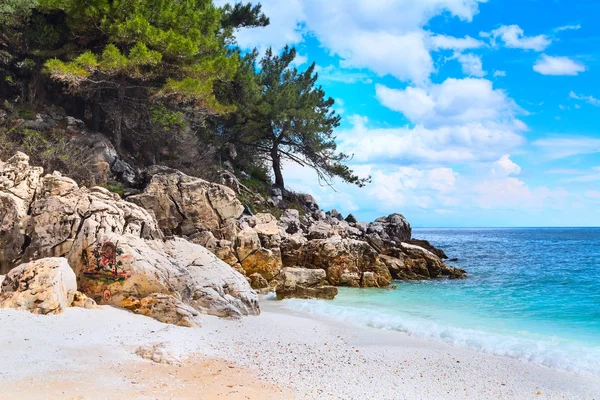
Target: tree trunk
{"type": "Point", "coordinates": [277, 167]}
{"type": "Point", "coordinates": [118, 133]}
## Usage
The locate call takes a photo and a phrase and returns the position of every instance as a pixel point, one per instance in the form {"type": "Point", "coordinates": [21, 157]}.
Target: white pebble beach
{"type": "Point", "coordinates": [91, 354]}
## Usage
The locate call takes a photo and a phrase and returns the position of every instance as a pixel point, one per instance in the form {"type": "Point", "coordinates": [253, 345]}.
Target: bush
{"type": "Point", "coordinates": [54, 151]}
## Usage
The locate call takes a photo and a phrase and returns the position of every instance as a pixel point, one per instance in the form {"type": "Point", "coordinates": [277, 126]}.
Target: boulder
{"type": "Point", "coordinates": [45, 286]}
{"type": "Point", "coordinates": [304, 283]}
{"type": "Point", "coordinates": [394, 227]}
{"type": "Point", "coordinates": [164, 308]}
{"type": "Point", "coordinates": [290, 221]}
{"type": "Point", "coordinates": [428, 246]}
{"type": "Point", "coordinates": [344, 260]}
{"type": "Point", "coordinates": [351, 219]}
{"type": "Point", "coordinates": [424, 263]}
{"type": "Point", "coordinates": [263, 261]}
{"type": "Point", "coordinates": [82, 301]}
{"type": "Point", "coordinates": [246, 243]}
{"type": "Point", "coordinates": [18, 183]}
{"type": "Point", "coordinates": [301, 292]}
{"type": "Point", "coordinates": [185, 205]}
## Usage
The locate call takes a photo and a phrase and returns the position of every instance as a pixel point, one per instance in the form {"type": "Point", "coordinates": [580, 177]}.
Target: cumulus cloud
{"type": "Point", "coordinates": [443, 42]}
{"type": "Point", "coordinates": [548, 65]}
{"type": "Point", "coordinates": [513, 36]}
{"type": "Point", "coordinates": [333, 74]}
{"type": "Point", "coordinates": [472, 142]}
{"type": "Point", "coordinates": [386, 37]}
{"type": "Point", "coordinates": [505, 166]}
{"type": "Point", "coordinates": [453, 102]}
{"type": "Point", "coordinates": [513, 193]}
{"type": "Point", "coordinates": [499, 73]}
{"type": "Point", "coordinates": [471, 64]}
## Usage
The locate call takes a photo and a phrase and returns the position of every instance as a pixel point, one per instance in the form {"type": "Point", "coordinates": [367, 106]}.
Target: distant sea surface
{"type": "Point", "coordinates": [532, 294]}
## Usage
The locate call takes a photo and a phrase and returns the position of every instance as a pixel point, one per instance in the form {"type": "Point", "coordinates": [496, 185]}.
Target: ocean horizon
{"type": "Point", "coordinates": [531, 294]}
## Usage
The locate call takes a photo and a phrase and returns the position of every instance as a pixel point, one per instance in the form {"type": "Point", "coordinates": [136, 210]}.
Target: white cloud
{"type": "Point", "coordinates": [285, 27]}
{"type": "Point", "coordinates": [588, 99]}
{"type": "Point", "coordinates": [471, 64]}
{"type": "Point", "coordinates": [453, 102]}
{"type": "Point", "coordinates": [562, 147]}
{"type": "Point", "coordinates": [548, 65]}
{"type": "Point", "coordinates": [516, 194]}
{"type": "Point", "coordinates": [568, 28]}
{"type": "Point", "coordinates": [513, 36]}
{"type": "Point", "coordinates": [472, 142]}
{"type": "Point", "coordinates": [386, 37]}
{"type": "Point", "coordinates": [333, 74]}
{"type": "Point", "coordinates": [505, 166]}
{"type": "Point", "coordinates": [443, 42]}
{"type": "Point", "coordinates": [499, 73]}
{"type": "Point", "coordinates": [593, 194]}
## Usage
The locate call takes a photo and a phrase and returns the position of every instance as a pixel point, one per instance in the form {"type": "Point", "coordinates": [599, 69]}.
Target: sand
{"type": "Point", "coordinates": [91, 354]}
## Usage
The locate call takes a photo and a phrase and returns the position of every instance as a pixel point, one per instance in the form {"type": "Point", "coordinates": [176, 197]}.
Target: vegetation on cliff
{"type": "Point", "coordinates": [167, 83]}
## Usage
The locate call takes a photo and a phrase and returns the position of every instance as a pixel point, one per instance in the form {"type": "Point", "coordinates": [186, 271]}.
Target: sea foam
{"type": "Point", "coordinates": [551, 352]}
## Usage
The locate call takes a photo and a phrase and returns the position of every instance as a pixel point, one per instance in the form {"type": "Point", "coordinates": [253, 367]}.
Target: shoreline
{"type": "Point", "coordinates": [275, 354]}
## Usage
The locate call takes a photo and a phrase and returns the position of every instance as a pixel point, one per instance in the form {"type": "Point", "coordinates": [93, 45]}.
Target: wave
{"type": "Point", "coordinates": [553, 352]}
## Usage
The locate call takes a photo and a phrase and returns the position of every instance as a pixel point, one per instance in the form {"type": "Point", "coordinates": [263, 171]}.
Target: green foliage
{"type": "Point", "coordinates": [165, 119]}
{"type": "Point", "coordinates": [284, 115]}
{"type": "Point", "coordinates": [13, 12]}
{"type": "Point", "coordinates": [53, 150]}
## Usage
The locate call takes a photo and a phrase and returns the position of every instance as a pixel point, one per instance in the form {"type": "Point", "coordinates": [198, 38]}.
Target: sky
{"type": "Point", "coordinates": [465, 113]}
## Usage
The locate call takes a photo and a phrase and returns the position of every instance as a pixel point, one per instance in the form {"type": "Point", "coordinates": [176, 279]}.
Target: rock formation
{"type": "Point", "coordinates": [45, 286]}
{"type": "Point", "coordinates": [184, 245]}
{"type": "Point", "coordinates": [348, 252]}
{"type": "Point", "coordinates": [116, 249]}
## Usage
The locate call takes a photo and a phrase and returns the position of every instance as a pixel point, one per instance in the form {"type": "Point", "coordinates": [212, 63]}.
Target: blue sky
{"type": "Point", "coordinates": [464, 112]}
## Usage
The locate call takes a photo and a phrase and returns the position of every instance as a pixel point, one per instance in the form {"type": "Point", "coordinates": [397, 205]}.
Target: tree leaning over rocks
{"type": "Point", "coordinates": [290, 118]}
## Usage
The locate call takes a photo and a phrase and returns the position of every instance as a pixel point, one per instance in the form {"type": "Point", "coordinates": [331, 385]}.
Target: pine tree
{"type": "Point", "coordinates": [289, 117]}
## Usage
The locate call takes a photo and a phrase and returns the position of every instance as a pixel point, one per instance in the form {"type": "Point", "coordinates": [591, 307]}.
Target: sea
{"type": "Point", "coordinates": [531, 294]}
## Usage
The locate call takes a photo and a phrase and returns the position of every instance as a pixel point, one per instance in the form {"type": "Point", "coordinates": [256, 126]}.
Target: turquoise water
{"type": "Point", "coordinates": [532, 294]}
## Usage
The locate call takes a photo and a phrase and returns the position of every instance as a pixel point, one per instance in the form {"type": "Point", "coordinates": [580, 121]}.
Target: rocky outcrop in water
{"type": "Point", "coordinates": [267, 250]}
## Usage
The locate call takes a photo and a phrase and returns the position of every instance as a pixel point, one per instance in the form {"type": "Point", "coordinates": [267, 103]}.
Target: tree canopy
{"type": "Point", "coordinates": [289, 117]}
{"type": "Point", "coordinates": [166, 76]}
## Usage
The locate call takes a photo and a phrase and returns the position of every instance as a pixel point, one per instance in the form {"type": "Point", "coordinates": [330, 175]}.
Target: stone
{"type": "Point", "coordinates": [45, 286]}
{"type": "Point", "coordinates": [269, 235]}
{"type": "Point", "coordinates": [246, 243]}
{"type": "Point", "coordinates": [319, 230]}
{"type": "Point", "coordinates": [393, 227]}
{"type": "Point", "coordinates": [164, 308]}
{"type": "Point", "coordinates": [290, 221]}
{"type": "Point", "coordinates": [185, 205]}
{"type": "Point", "coordinates": [263, 261]}
{"type": "Point", "coordinates": [304, 277]}
{"type": "Point", "coordinates": [428, 246]}
{"type": "Point", "coordinates": [304, 283]}
{"type": "Point", "coordinates": [156, 353]}
{"type": "Point", "coordinates": [258, 282]}
{"type": "Point", "coordinates": [301, 292]}
{"type": "Point", "coordinates": [345, 260]}
{"type": "Point", "coordinates": [351, 219]}
{"type": "Point", "coordinates": [82, 301]}
{"type": "Point", "coordinates": [369, 280]}
{"type": "Point", "coordinates": [18, 184]}
{"type": "Point", "coordinates": [424, 263]}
